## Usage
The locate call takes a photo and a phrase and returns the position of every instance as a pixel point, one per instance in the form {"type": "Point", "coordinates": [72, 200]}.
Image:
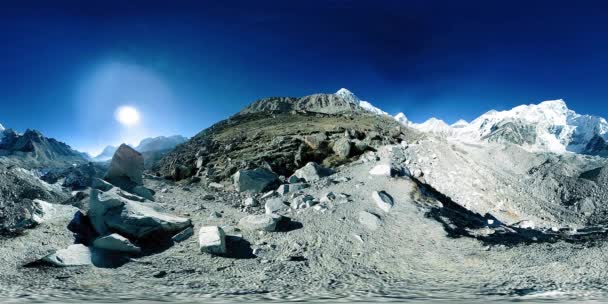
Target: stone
{"type": "Point", "coordinates": [160, 274]}
{"type": "Point", "coordinates": [200, 161]}
{"type": "Point", "coordinates": [303, 202]}
{"type": "Point", "coordinates": [114, 211]}
{"type": "Point", "coordinates": [286, 188]}
{"type": "Point", "coordinates": [342, 148]}
{"type": "Point", "coordinates": [293, 179]}
{"type": "Point", "coordinates": [100, 184]}
{"type": "Point", "coordinates": [215, 214]}
{"type": "Point", "coordinates": [251, 202]}
{"type": "Point", "coordinates": [315, 141]}
{"type": "Point", "coordinates": [216, 186]}
{"type": "Point", "coordinates": [208, 197]}
{"type": "Point", "coordinates": [212, 239]}
{"type": "Point", "coordinates": [263, 222]}
{"type": "Point", "coordinates": [74, 255]}
{"type": "Point", "coordinates": [369, 220]}
{"type": "Point", "coordinates": [183, 235]}
{"type": "Point", "coordinates": [389, 170]}
{"type": "Point", "coordinates": [116, 242]}
{"type": "Point", "coordinates": [275, 205]}
{"type": "Point", "coordinates": [127, 166]}
{"type": "Point", "coordinates": [143, 192]}
{"type": "Point", "coordinates": [327, 198]}
{"type": "Point", "coordinates": [257, 180]}
{"type": "Point", "coordinates": [312, 172]}
{"type": "Point", "coordinates": [383, 200]}
{"type": "Point", "coordinates": [268, 194]}
{"type": "Point", "coordinates": [341, 179]}
{"type": "Point", "coordinates": [360, 146]}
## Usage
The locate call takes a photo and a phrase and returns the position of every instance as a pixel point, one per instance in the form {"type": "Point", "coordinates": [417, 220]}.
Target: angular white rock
{"type": "Point", "coordinates": [116, 242]}
{"type": "Point", "coordinates": [212, 239]}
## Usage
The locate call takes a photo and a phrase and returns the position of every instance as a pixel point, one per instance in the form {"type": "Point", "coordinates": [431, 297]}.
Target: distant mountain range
{"type": "Point", "coordinates": [548, 126]}
{"type": "Point", "coordinates": [147, 145]}
{"type": "Point", "coordinates": [32, 149]}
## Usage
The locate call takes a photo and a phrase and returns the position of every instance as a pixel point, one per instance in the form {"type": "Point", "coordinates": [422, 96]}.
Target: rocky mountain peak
{"type": "Point", "coordinates": [347, 95]}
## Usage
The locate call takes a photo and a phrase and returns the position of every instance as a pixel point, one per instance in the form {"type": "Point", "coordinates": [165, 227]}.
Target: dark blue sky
{"type": "Point", "coordinates": [66, 66]}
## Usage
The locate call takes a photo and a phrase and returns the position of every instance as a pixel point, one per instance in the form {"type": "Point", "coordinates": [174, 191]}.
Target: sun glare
{"type": "Point", "coordinates": [127, 115]}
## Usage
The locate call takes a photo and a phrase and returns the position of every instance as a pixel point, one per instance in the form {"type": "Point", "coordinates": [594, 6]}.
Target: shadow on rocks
{"type": "Point", "coordinates": [238, 248]}
{"type": "Point", "coordinates": [287, 225]}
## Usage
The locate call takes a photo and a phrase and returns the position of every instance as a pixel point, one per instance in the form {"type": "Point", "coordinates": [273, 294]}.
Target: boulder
{"type": "Point", "coordinates": [74, 255]}
{"type": "Point", "coordinates": [257, 180]}
{"type": "Point", "coordinates": [383, 200]}
{"type": "Point", "coordinates": [115, 211]}
{"type": "Point", "coordinates": [312, 172]}
{"type": "Point", "coordinates": [101, 184]}
{"type": "Point", "coordinates": [251, 202]}
{"type": "Point", "coordinates": [212, 239]}
{"type": "Point", "coordinates": [263, 222]}
{"type": "Point", "coordinates": [116, 242]}
{"type": "Point", "coordinates": [342, 148]}
{"type": "Point", "coordinates": [144, 192]}
{"type": "Point", "coordinates": [127, 166]}
{"type": "Point", "coordinates": [275, 205]}
{"type": "Point", "coordinates": [369, 220]}
{"type": "Point", "coordinates": [315, 141]}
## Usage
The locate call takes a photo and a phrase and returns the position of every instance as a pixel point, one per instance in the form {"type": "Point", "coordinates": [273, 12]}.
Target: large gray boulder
{"type": "Point", "coordinates": [256, 180]}
{"type": "Point", "coordinates": [117, 211]}
{"type": "Point", "coordinates": [342, 147]}
{"type": "Point", "coordinates": [127, 166]}
{"type": "Point", "coordinates": [312, 172]}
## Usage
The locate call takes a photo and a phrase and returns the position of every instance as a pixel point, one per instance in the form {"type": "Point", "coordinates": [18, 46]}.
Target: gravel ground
{"type": "Point", "coordinates": [325, 256]}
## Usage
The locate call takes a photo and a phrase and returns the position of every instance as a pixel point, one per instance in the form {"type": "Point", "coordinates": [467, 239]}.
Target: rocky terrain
{"type": "Point", "coordinates": [319, 198]}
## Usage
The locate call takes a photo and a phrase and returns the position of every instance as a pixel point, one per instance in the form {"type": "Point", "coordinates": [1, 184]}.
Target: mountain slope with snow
{"type": "Point", "coordinates": [366, 105]}
{"type": "Point", "coordinates": [548, 126]}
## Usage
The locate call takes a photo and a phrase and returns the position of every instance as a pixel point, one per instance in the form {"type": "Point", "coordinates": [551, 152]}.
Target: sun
{"type": "Point", "coordinates": [127, 115]}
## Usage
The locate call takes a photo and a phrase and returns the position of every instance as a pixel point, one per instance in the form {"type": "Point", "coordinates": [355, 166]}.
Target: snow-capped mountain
{"type": "Point", "coordinates": [547, 126]}
{"type": "Point", "coordinates": [434, 125]}
{"type": "Point", "coordinates": [106, 154]}
{"type": "Point", "coordinates": [160, 143]}
{"type": "Point", "coordinates": [401, 118]}
{"type": "Point", "coordinates": [349, 96]}
{"type": "Point", "coordinates": [460, 124]}
{"type": "Point", "coordinates": [1, 127]}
